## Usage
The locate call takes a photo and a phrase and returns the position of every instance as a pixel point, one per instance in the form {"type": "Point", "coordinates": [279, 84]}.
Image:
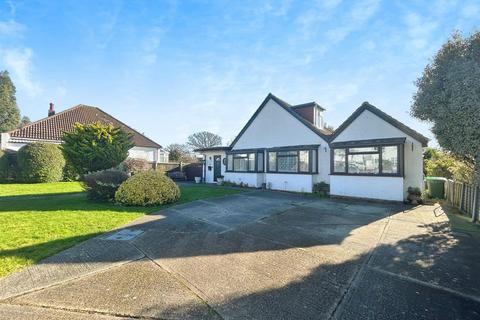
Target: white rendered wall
{"type": "Point", "coordinates": [289, 182]}
{"type": "Point", "coordinates": [383, 188]}
{"type": "Point", "coordinates": [413, 153]}
{"type": "Point", "coordinates": [275, 127]}
{"type": "Point", "coordinates": [253, 179]}
{"type": "Point", "coordinates": [149, 154]}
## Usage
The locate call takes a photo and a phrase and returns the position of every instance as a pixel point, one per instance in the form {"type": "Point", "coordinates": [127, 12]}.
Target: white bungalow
{"type": "Point", "coordinates": [285, 147]}
{"type": "Point", "coordinates": [51, 129]}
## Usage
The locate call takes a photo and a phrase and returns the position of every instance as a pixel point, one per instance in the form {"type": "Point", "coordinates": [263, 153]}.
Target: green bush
{"type": "Point", "coordinates": [40, 162]}
{"type": "Point", "coordinates": [4, 165]}
{"type": "Point", "coordinates": [147, 188]}
{"type": "Point", "coordinates": [102, 185]}
{"type": "Point", "coordinates": [321, 188]}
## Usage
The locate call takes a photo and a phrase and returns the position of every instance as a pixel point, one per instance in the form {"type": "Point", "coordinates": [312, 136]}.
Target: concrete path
{"type": "Point", "coordinates": [260, 255]}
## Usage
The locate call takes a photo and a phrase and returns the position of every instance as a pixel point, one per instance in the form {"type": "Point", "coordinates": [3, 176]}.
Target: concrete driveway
{"type": "Point", "coordinates": [260, 255]}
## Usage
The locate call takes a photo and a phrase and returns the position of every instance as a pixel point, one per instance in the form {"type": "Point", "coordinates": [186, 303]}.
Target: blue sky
{"type": "Point", "coordinates": [170, 68]}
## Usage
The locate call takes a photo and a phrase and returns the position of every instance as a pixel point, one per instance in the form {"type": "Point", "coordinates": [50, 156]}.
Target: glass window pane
{"type": "Point", "coordinates": [260, 161]}
{"type": "Point", "coordinates": [303, 158]}
{"type": "Point", "coordinates": [314, 160]}
{"type": "Point", "coordinates": [240, 164]}
{"type": "Point", "coordinates": [272, 161]}
{"type": "Point", "coordinates": [230, 162]}
{"type": "Point", "coordinates": [286, 153]}
{"type": "Point", "coordinates": [288, 164]}
{"type": "Point", "coordinates": [364, 149]}
{"type": "Point", "coordinates": [251, 162]}
{"type": "Point", "coordinates": [390, 159]}
{"type": "Point", "coordinates": [339, 160]}
{"type": "Point", "coordinates": [363, 163]}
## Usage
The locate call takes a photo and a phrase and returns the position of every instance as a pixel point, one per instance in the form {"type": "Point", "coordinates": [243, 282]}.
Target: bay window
{"type": "Point", "coordinates": [245, 161]}
{"type": "Point", "coordinates": [292, 160]}
{"type": "Point", "coordinates": [384, 160]}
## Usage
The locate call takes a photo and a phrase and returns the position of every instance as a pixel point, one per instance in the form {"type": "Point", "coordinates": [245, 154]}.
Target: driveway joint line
{"type": "Point", "coordinates": [56, 284]}
{"type": "Point", "coordinates": [184, 282]}
{"type": "Point", "coordinates": [82, 311]}
{"type": "Point", "coordinates": [427, 284]}
{"type": "Point", "coordinates": [358, 274]}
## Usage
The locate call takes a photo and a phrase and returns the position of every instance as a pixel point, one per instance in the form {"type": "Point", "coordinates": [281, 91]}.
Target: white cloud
{"type": "Point", "coordinates": [11, 28]}
{"type": "Point", "coordinates": [420, 30]}
{"type": "Point", "coordinates": [150, 46]}
{"type": "Point", "coordinates": [361, 12]}
{"type": "Point", "coordinates": [19, 63]}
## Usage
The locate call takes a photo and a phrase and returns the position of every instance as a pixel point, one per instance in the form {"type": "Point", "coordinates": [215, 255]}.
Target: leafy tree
{"type": "Point", "coordinates": [9, 113]}
{"type": "Point", "coordinates": [329, 127]}
{"type": "Point", "coordinates": [448, 97]}
{"type": "Point", "coordinates": [204, 139]}
{"type": "Point", "coordinates": [442, 164]}
{"type": "Point", "coordinates": [95, 147]}
{"type": "Point", "coordinates": [25, 120]}
{"type": "Point", "coordinates": [178, 152]}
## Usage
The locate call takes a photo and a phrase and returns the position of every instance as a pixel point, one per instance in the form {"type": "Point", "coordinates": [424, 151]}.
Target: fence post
{"type": "Point", "coordinates": [476, 201]}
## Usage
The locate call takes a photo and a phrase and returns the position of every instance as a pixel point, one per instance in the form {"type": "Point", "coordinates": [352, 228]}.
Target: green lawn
{"type": "Point", "coordinates": [17, 189]}
{"type": "Point", "coordinates": [33, 228]}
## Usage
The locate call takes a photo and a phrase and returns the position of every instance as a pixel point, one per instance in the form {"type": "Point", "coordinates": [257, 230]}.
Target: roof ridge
{"type": "Point", "coordinates": [385, 117]}
{"type": "Point", "coordinates": [134, 130]}
{"type": "Point", "coordinates": [46, 118]}
{"type": "Point", "coordinates": [325, 135]}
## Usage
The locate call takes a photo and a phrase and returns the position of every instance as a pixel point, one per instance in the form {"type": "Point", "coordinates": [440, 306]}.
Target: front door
{"type": "Point", "coordinates": [217, 167]}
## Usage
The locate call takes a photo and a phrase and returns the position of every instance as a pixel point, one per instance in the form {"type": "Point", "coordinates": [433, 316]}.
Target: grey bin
{"type": "Point", "coordinates": [436, 187]}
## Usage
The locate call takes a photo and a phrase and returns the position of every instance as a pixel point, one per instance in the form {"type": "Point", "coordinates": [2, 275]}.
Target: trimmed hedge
{"type": "Point", "coordinates": [147, 188]}
{"type": "Point", "coordinates": [4, 165]}
{"type": "Point", "coordinates": [40, 162]}
{"type": "Point", "coordinates": [102, 185]}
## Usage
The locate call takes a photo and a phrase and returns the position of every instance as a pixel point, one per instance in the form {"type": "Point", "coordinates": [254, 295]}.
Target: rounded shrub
{"type": "Point", "coordinates": [147, 188]}
{"type": "Point", "coordinates": [40, 162]}
{"type": "Point", "coordinates": [102, 185]}
{"type": "Point", "coordinates": [4, 164]}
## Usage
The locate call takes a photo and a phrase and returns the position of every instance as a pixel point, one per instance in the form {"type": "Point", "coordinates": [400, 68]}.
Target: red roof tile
{"type": "Point", "coordinates": [52, 128]}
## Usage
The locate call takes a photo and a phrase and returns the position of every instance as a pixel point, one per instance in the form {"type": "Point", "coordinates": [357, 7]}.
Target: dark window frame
{"type": "Point", "coordinates": [400, 160]}
{"type": "Point", "coordinates": [247, 152]}
{"type": "Point", "coordinates": [312, 165]}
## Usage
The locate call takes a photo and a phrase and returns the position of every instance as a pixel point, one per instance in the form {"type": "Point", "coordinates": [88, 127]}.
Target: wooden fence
{"type": "Point", "coordinates": [463, 196]}
{"type": "Point", "coordinates": [191, 170]}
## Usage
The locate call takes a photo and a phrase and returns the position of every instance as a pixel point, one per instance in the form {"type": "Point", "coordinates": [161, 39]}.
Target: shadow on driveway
{"type": "Point", "coordinates": [265, 255]}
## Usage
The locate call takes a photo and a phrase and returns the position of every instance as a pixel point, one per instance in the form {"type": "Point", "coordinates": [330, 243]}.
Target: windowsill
{"type": "Point", "coordinates": [300, 173]}
{"type": "Point", "coordinates": [367, 175]}
{"type": "Point", "coordinates": [230, 171]}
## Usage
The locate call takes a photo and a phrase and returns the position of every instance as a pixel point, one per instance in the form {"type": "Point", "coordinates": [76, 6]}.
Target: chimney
{"type": "Point", "coordinates": [51, 111]}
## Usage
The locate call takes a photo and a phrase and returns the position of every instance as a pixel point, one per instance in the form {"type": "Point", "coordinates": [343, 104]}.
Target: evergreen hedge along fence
{"type": "Point", "coordinates": [465, 197]}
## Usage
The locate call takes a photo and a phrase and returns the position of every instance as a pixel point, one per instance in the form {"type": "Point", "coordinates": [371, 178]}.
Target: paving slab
{"type": "Point", "coordinates": [381, 296]}
{"type": "Point", "coordinates": [10, 312]}
{"type": "Point", "coordinates": [136, 289]}
{"type": "Point", "coordinates": [90, 256]}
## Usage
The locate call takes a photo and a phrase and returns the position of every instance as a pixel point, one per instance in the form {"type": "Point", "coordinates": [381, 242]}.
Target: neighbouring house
{"type": "Point", "coordinates": [51, 129]}
{"type": "Point", "coordinates": [285, 147]}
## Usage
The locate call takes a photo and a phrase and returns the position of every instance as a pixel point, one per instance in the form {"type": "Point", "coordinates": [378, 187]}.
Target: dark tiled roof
{"type": "Point", "coordinates": [308, 104]}
{"type": "Point", "coordinates": [394, 122]}
{"type": "Point", "coordinates": [219, 148]}
{"type": "Point", "coordinates": [52, 128]}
